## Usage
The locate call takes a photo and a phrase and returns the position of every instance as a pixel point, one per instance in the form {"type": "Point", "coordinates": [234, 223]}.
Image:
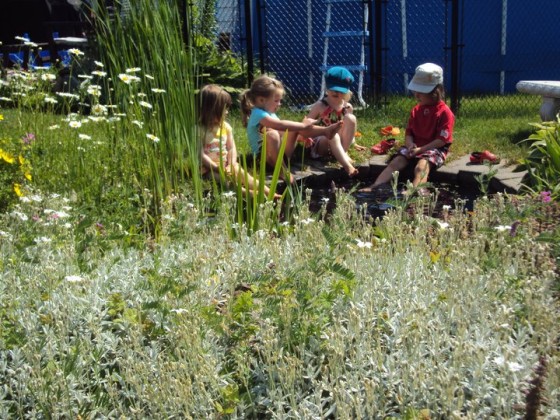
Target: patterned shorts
{"type": "Point", "coordinates": [435, 156]}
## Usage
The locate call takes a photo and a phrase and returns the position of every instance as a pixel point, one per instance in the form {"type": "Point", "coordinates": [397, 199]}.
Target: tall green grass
{"type": "Point", "coordinates": [150, 39]}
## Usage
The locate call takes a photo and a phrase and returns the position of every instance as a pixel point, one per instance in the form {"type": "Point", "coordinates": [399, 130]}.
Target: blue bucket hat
{"type": "Point", "coordinates": [339, 79]}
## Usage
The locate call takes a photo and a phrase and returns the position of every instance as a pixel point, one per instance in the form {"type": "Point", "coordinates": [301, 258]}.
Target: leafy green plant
{"type": "Point", "coordinates": [484, 179]}
{"type": "Point", "coordinates": [543, 161]}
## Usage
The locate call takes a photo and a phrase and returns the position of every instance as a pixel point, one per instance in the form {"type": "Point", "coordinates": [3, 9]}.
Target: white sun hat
{"type": "Point", "coordinates": [426, 78]}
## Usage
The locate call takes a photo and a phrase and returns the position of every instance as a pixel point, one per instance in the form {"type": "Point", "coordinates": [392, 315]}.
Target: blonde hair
{"type": "Point", "coordinates": [262, 87]}
{"type": "Point", "coordinates": [346, 96]}
{"type": "Point", "coordinates": [212, 105]}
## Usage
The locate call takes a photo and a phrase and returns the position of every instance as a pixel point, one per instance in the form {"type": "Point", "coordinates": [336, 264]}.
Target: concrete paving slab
{"type": "Point", "coordinates": [459, 171]}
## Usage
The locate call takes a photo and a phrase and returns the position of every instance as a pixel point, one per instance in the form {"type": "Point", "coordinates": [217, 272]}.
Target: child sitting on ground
{"type": "Point", "coordinates": [429, 132]}
{"type": "Point", "coordinates": [332, 108]}
{"type": "Point", "coordinates": [218, 146]}
{"type": "Point", "coordinates": [259, 105]}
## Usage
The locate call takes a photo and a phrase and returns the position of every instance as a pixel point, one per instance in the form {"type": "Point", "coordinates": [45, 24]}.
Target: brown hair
{"type": "Point", "coordinates": [438, 93]}
{"type": "Point", "coordinates": [262, 87]}
{"type": "Point", "coordinates": [212, 105]}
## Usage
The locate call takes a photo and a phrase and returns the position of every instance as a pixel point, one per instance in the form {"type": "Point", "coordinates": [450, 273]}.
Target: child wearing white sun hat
{"type": "Point", "coordinates": [429, 132]}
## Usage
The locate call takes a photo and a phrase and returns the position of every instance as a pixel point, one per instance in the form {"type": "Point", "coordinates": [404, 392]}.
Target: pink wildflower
{"type": "Point", "coordinates": [546, 196]}
{"type": "Point", "coordinates": [28, 138]}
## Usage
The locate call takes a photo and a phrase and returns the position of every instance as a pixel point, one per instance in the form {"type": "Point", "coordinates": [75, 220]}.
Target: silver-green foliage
{"type": "Point", "coordinates": [297, 320]}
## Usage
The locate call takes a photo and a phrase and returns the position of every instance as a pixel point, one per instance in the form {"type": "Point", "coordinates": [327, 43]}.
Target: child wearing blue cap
{"type": "Point", "coordinates": [332, 108]}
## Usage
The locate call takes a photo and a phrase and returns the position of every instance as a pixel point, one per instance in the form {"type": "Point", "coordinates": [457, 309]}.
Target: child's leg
{"type": "Point", "coordinates": [347, 131]}
{"type": "Point", "coordinates": [421, 172]}
{"type": "Point", "coordinates": [337, 150]}
{"type": "Point", "coordinates": [397, 164]}
{"type": "Point", "coordinates": [273, 143]}
{"type": "Point", "coordinates": [248, 181]}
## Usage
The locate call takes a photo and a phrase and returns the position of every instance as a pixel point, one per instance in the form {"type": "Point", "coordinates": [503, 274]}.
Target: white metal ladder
{"type": "Point", "coordinates": [361, 34]}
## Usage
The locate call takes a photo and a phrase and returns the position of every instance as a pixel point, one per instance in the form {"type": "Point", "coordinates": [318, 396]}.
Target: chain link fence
{"type": "Point", "coordinates": [304, 38]}
{"type": "Point", "coordinates": [485, 47]}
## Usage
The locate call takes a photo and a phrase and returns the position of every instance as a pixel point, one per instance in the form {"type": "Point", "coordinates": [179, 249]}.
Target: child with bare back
{"type": "Point", "coordinates": [334, 107]}
{"type": "Point", "coordinates": [219, 152]}
{"type": "Point", "coordinates": [259, 105]}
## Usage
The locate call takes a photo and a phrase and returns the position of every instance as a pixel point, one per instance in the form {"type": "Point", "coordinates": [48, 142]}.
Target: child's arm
{"type": "Point", "coordinates": [434, 144]}
{"type": "Point", "coordinates": [207, 162]}
{"type": "Point", "coordinates": [231, 149]}
{"type": "Point", "coordinates": [283, 125]}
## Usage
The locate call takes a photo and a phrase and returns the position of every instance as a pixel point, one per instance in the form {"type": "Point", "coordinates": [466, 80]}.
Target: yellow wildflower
{"type": "Point", "coordinates": [17, 190]}
{"type": "Point", "coordinates": [27, 176]}
{"type": "Point", "coordinates": [6, 156]}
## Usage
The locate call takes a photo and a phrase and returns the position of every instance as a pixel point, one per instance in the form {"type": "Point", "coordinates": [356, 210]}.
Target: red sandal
{"type": "Point", "coordinates": [383, 146]}
{"type": "Point", "coordinates": [486, 156]}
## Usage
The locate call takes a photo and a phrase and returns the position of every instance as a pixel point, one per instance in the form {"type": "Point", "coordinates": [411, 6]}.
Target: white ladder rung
{"type": "Point", "coordinates": [339, 34]}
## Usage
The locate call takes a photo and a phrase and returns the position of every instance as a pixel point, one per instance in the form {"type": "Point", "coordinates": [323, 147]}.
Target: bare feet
{"type": "Point", "coordinates": [287, 176]}
{"type": "Point", "coordinates": [352, 171]}
{"type": "Point", "coordinates": [332, 129]}
{"type": "Point", "coordinates": [367, 189]}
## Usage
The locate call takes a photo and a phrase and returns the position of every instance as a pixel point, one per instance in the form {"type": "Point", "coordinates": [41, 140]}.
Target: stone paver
{"type": "Point", "coordinates": [459, 171]}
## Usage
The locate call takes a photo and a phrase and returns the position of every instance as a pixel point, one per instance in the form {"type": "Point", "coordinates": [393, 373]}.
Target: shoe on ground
{"type": "Point", "coordinates": [481, 157]}
{"type": "Point", "coordinates": [383, 147]}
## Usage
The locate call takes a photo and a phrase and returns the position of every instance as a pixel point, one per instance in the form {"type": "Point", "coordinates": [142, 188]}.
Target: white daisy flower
{"type": "Point", "coordinates": [99, 73]}
{"type": "Point", "coordinates": [157, 90]}
{"type": "Point", "coordinates": [94, 90]}
{"type": "Point", "coordinates": [133, 70]}
{"type": "Point", "coordinates": [145, 104]}
{"type": "Point", "coordinates": [76, 52]}
{"type": "Point", "coordinates": [139, 124]}
{"type": "Point", "coordinates": [75, 124]}
{"type": "Point", "coordinates": [153, 138]}
{"type": "Point", "coordinates": [84, 137]}
{"type": "Point", "coordinates": [68, 95]}
{"type": "Point", "coordinates": [99, 64]}
{"type": "Point", "coordinates": [503, 228]}
{"type": "Point", "coordinates": [50, 100]}
{"type": "Point", "coordinates": [48, 77]}
{"type": "Point", "coordinates": [128, 78]}
{"type": "Point", "coordinates": [98, 109]}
